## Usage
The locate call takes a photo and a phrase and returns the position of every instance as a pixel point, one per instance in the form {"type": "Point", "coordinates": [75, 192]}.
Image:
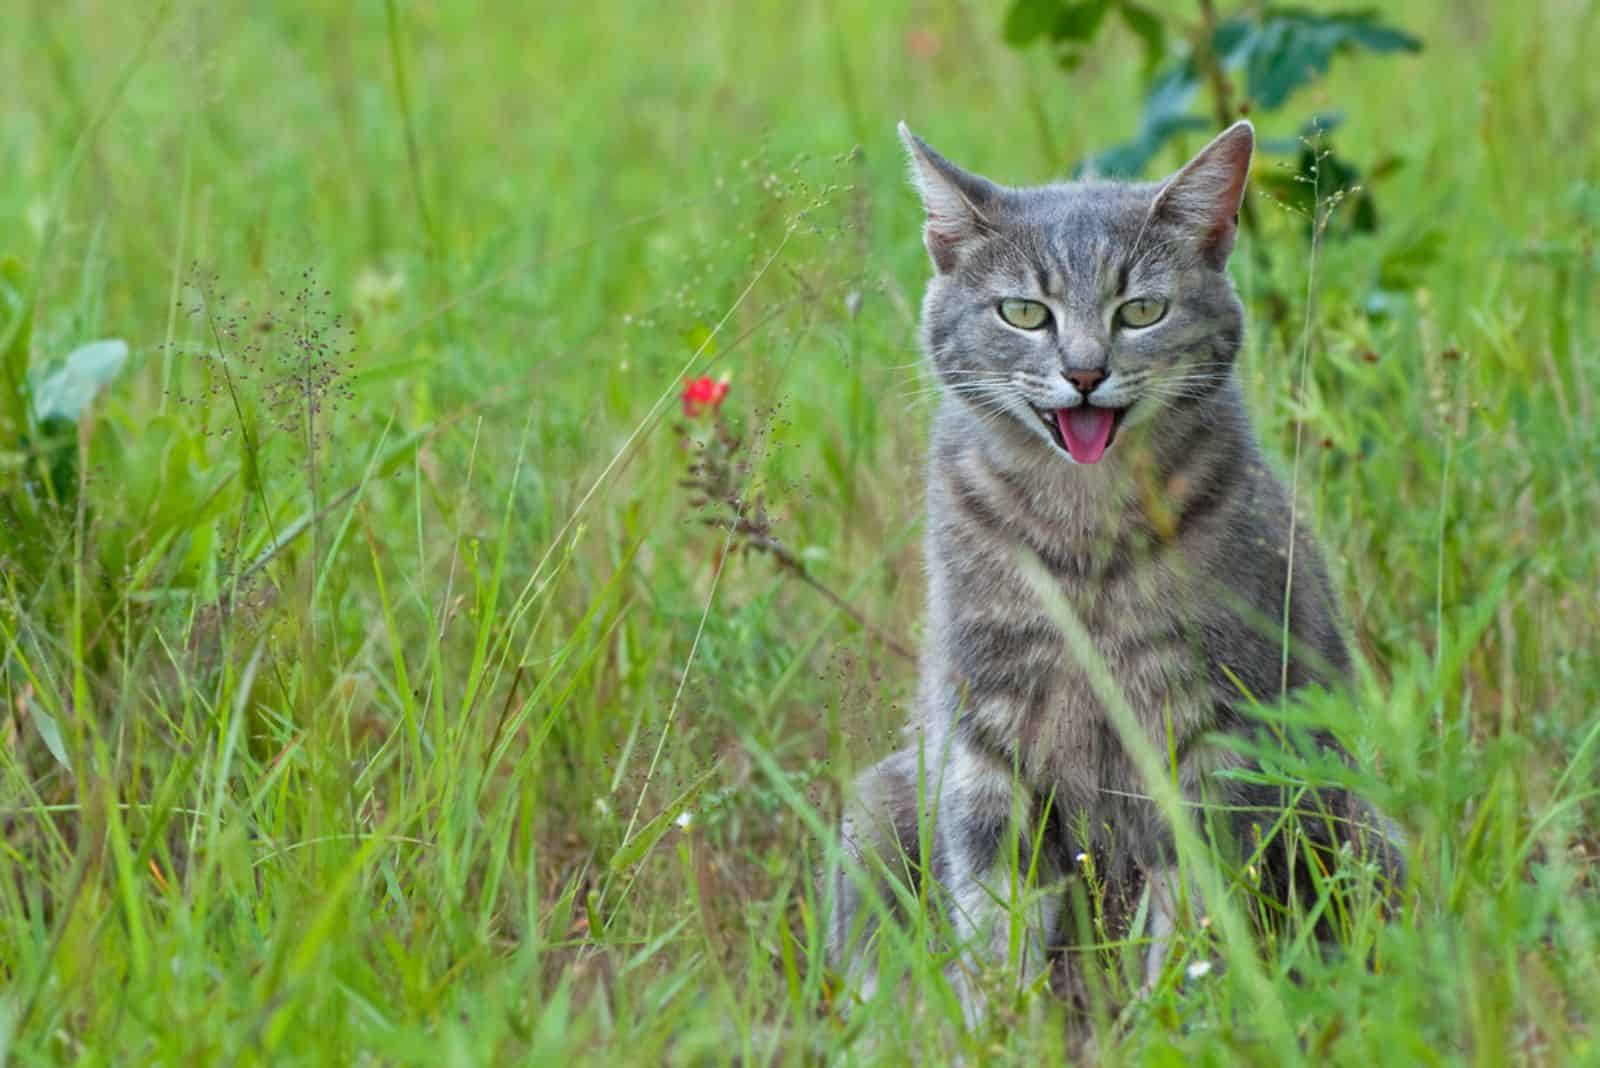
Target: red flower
{"type": "Point", "coordinates": [703, 394]}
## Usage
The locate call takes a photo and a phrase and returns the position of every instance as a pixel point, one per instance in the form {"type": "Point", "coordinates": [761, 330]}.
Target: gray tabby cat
{"type": "Point", "coordinates": [1084, 336]}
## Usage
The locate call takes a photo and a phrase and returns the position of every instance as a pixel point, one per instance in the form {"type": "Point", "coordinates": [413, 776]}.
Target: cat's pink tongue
{"type": "Point", "coordinates": [1086, 430]}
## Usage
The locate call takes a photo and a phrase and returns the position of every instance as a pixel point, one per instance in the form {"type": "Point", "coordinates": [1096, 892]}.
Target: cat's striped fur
{"type": "Point", "coordinates": [1173, 551]}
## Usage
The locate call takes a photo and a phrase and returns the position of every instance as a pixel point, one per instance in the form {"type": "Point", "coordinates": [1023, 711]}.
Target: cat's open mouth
{"type": "Point", "coordinates": [1085, 432]}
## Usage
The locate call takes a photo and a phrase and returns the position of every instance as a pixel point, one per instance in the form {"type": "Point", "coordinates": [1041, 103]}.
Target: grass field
{"type": "Point", "coordinates": [375, 693]}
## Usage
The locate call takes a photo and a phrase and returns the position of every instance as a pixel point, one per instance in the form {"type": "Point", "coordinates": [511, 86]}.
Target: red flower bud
{"type": "Point", "coordinates": [703, 394]}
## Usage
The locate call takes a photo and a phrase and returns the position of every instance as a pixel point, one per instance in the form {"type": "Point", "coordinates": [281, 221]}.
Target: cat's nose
{"type": "Point", "coordinates": [1085, 379]}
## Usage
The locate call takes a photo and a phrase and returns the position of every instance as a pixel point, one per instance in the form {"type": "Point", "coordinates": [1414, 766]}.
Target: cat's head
{"type": "Point", "coordinates": [1084, 308]}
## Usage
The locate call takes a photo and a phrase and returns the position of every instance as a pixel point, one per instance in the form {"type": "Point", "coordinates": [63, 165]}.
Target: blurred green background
{"type": "Point", "coordinates": [375, 692]}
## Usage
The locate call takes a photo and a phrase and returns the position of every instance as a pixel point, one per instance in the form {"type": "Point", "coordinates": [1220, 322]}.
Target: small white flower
{"type": "Point", "coordinates": [1199, 969]}
{"type": "Point", "coordinates": [685, 818]}
{"type": "Point", "coordinates": [378, 291]}
{"type": "Point", "coordinates": [602, 806]}
{"type": "Point", "coordinates": [1082, 858]}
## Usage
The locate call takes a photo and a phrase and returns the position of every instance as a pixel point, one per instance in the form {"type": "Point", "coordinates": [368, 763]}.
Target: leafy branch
{"type": "Point", "coordinates": [1270, 52]}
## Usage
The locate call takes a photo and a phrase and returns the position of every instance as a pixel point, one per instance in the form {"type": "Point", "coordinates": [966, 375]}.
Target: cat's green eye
{"type": "Point", "coordinates": [1141, 311]}
{"type": "Point", "coordinates": [1024, 314]}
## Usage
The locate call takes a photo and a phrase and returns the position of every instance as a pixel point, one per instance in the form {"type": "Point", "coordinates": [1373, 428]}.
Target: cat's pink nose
{"type": "Point", "coordinates": [1085, 379]}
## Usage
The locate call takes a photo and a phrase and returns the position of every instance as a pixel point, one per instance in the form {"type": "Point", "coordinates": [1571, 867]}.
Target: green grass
{"type": "Point", "coordinates": [414, 796]}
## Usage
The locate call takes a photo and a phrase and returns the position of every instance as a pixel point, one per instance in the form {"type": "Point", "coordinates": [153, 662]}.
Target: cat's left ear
{"type": "Point", "coordinates": [959, 204]}
{"type": "Point", "coordinates": [1205, 196]}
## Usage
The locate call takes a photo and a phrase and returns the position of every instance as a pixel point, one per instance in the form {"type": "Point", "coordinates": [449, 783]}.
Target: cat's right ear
{"type": "Point", "coordinates": [958, 204]}
{"type": "Point", "coordinates": [1204, 197]}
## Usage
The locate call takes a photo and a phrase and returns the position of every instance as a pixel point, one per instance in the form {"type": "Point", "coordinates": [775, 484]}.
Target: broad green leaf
{"type": "Point", "coordinates": [1165, 115]}
{"type": "Point", "coordinates": [1129, 159]}
{"type": "Point", "coordinates": [1319, 177]}
{"type": "Point", "coordinates": [1405, 265]}
{"type": "Point", "coordinates": [1279, 51]}
{"type": "Point", "coordinates": [1290, 48]}
{"type": "Point", "coordinates": [1374, 36]}
{"type": "Point", "coordinates": [1232, 40]}
{"type": "Point", "coordinates": [55, 444]}
{"type": "Point", "coordinates": [65, 392]}
{"type": "Point", "coordinates": [1029, 20]}
{"type": "Point", "coordinates": [1069, 59]}
{"type": "Point", "coordinates": [1063, 21]}
{"type": "Point", "coordinates": [1171, 94]}
{"type": "Point", "coordinates": [1357, 212]}
{"type": "Point", "coordinates": [1079, 21]}
{"type": "Point", "coordinates": [49, 732]}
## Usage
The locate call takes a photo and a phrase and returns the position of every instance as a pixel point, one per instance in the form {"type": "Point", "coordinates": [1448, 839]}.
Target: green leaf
{"type": "Point", "coordinates": [1069, 59]}
{"type": "Point", "coordinates": [1358, 212]}
{"type": "Point", "coordinates": [1129, 159]}
{"type": "Point", "coordinates": [1165, 116]}
{"type": "Point", "coordinates": [1289, 48]}
{"type": "Point", "coordinates": [1080, 21]}
{"type": "Point", "coordinates": [1280, 50]}
{"type": "Point", "coordinates": [1405, 265]}
{"type": "Point", "coordinates": [1062, 21]}
{"type": "Point", "coordinates": [1029, 20]}
{"type": "Point", "coordinates": [1318, 176]}
{"type": "Point", "coordinates": [59, 399]}
{"type": "Point", "coordinates": [1232, 40]}
{"type": "Point", "coordinates": [65, 392]}
{"type": "Point", "coordinates": [1366, 31]}
{"type": "Point", "coordinates": [633, 849]}
{"type": "Point", "coordinates": [49, 732]}
{"type": "Point", "coordinates": [1313, 129]}
{"type": "Point", "coordinates": [1171, 94]}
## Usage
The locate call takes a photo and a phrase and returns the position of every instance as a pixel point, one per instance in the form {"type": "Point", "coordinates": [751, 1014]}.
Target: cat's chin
{"type": "Point", "coordinates": [1083, 434]}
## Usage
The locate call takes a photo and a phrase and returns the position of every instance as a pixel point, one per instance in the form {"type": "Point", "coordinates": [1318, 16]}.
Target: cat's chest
{"type": "Point", "coordinates": [1068, 644]}
{"type": "Point", "coordinates": [1012, 541]}
{"type": "Point", "coordinates": [1064, 605]}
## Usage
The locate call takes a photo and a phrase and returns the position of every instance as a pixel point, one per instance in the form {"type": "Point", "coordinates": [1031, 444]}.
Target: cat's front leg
{"type": "Point", "coordinates": [1005, 910]}
{"type": "Point", "coordinates": [880, 834]}
{"type": "Point", "coordinates": [1169, 897]}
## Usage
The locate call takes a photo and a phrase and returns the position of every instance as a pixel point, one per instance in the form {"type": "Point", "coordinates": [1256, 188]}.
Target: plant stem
{"type": "Point", "coordinates": [252, 448]}
{"type": "Point", "coordinates": [408, 122]}
{"type": "Point", "coordinates": [308, 353]}
{"type": "Point", "coordinates": [1222, 105]}
{"type": "Point", "coordinates": [1206, 58]}
{"type": "Point", "coordinates": [785, 559]}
